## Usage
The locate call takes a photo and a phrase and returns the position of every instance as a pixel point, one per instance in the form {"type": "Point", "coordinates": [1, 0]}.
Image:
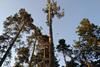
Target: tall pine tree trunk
{"type": "Point", "coordinates": [31, 59]}
{"type": "Point", "coordinates": [11, 44]}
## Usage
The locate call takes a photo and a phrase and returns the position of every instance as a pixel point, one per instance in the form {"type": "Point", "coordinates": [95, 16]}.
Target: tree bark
{"type": "Point", "coordinates": [51, 48]}
{"type": "Point", "coordinates": [11, 44]}
{"type": "Point", "coordinates": [30, 63]}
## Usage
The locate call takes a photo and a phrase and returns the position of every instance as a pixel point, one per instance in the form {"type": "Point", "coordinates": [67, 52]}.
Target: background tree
{"type": "Point", "coordinates": [67, 50]}
{"type": "Point", "coordinates": [4, 42]}
{"type": "Point", "coordinates": [62, 47]}
{"type": "Point", "coordinates": [28, 46]}
{"type": "Point", "coordinates": [89, 41]}
{"type": "Point", "coordinates": [14, 26]}
{"type": "Point", "coordinates": [52, 9]}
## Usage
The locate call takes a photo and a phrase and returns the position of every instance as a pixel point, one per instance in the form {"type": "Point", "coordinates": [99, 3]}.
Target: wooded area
{"type": "Point", "coordinates": [24, 39]}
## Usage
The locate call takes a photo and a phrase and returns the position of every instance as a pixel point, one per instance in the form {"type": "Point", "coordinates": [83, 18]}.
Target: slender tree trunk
{"type": "Point", "coordinates": [52, 61]}
{"type": "Point", "coordinates": [51, 47]}
{"type": "Point", "coordinates": [65, 58]}
{"type": "Point", "coordinates": [30, 63]}
{"type": "Point", "coordinates": [11, 44]}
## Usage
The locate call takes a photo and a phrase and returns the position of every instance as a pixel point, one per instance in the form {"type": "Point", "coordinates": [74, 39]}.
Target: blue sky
{"type": "Point", "coordinates": [75, 11]}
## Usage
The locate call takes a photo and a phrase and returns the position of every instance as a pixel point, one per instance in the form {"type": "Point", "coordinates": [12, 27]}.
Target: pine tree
{"type": "Point", "coordinates": [14, 27]}
{"type": "Point", "coordinates": [88, 44]}
{"type": "Point", "coordinates": [62, 47]}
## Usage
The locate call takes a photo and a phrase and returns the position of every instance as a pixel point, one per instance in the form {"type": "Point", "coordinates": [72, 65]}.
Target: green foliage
{"type": "Point", "coordinates": [62, 46]}
{"type": "Point", "coordinates": [18, 65]}
{"type": "Point", "coordinates": [56, 62]}
{"type": "Point", "coordinates": [14, 27]}
{"type": "Point", "coordinates": [4, 44]}
{"type": "Point", "coordinates": [96, 63]}
{"type": "Point", "coordinates": [88, 43]}
{"type": "Point", "coordinates": [54, 10]}
{"type": "Point", "coordinates": [72, 63]}
{"type": "Point", "coordinates": [23, 54]}
{"type": "Point", "coordinates": [88, 32]}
